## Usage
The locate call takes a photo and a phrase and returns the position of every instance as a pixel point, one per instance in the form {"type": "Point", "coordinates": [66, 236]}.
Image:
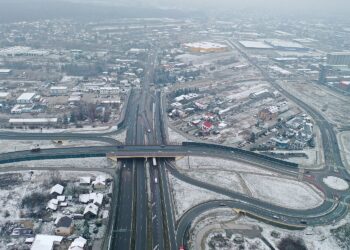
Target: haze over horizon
{"type": "Point", "coordinates": [172, 8]}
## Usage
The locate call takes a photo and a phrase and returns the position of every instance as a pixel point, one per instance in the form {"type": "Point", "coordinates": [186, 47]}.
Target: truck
{"type": "Point", "coordinates": [154, 161]}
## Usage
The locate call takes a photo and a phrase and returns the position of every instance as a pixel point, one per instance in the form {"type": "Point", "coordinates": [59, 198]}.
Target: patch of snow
{"type": "Point", "coordinates": [199, 162]}
{"type": "Point", "coordinates": [282, 192]}
{"type": "Point", "coordinates": [175, 137]}
{"type": "Point", "coordinates": [20, 145]}
{"type": "Point", "coordinates": [186, 196]}
{"type": "Point", "coordinates": [336, 183]}
{"type": "Point", "coordinates": [224, 179]}
{"type": "Point", "coordinates": [318, 238]}
{"type": "Point", "coordinates": [63, 164]}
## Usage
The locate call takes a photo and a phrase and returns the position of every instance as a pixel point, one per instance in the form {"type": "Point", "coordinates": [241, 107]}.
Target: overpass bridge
{"type": "Point", "coordinates": [148, 151]}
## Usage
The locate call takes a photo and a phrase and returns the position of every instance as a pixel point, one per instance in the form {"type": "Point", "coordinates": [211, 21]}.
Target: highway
{"type": "Point", "coordinates": [124, 219]}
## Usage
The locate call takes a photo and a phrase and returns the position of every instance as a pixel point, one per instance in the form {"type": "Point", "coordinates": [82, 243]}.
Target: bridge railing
{"type": "Point", "coordinates": [242, 152]}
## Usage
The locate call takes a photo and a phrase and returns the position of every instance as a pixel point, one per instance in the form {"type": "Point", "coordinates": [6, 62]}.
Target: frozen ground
{"type": "Point", "coordinates": [93, 162]}
{"type": "Point", "coordinates": [198, 162]}
{"type": "Point", "coordinates": [186, 195]}
{"type": "Point", "coordinates": [336, 183]}
{"type": "Point", "coordinates": [20, 145]}
{"type": "Point", "coordinates": [282, 192]}
{"type": "Point", "coordinates": [120, 136]}
{"type": "Point", "coordinates": [344, 143]}
{"type": "Point", "coordinates": [225, 179]}
{"type": "Point", "coordinates": [247, 179]}
{"type": "Point", "coordinates": [86, 129]}
{"type": "Point", "coordinates": [317, 96]}
{"type": "Point", "coordinates": [175, 137]}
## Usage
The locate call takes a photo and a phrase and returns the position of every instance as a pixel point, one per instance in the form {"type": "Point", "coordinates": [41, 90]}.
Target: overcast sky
{"type": "Point", "coordinates": [310, 4]}
{"type": "Point", "coordinates": [295, 6]}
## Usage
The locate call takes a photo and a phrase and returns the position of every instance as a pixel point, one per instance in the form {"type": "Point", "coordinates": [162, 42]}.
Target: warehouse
{"type": "Point", "coordinates": [26, 98]}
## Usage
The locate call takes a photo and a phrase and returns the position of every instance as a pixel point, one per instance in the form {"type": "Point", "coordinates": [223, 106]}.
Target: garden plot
{"type": "Point", "coordinates": [186, 196]}
{"type": "Point", "coordinates": [198, 162]}
{"type": "Point", "coordinates": [282, 192]}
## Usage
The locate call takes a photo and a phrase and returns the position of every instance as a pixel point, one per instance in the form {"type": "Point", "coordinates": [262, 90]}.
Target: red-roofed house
{"type": "Point", "coordinates": [207, 126]}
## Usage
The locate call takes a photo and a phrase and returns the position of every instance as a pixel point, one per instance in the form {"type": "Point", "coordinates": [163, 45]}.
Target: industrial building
{"type": "Point", "coordinates": [206, 47]}
{"type": "Point", "coordinates": [58, 90]}
{"type": "Point", "coordinates": [26, 98]}
{"type": "Point", "coordinates": [338, 58]}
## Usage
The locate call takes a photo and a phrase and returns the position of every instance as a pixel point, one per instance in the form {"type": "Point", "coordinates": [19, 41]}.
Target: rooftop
{"type": "Point", "coordinates": [45, 242]}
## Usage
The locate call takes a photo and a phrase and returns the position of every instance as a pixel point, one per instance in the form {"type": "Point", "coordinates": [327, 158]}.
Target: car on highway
{"type": "Point", "coordinates": [222, 204]}
{"type": "Point", "coordinates": [35, 149]}
{"type": "Point", "coordinates": [303, 222]}
{"type": "Point", "coordinates": [148, 131]}
{"type": "Point", "coordinates": [181, 248]}
{"type": "Point", "coordinates": [156, 180]}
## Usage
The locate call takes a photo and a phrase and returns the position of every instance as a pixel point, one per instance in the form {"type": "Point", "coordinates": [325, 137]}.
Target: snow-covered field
{"type": "Point", "coordinates": [282, 192]}
{"type": "Point", "coordinates": [86, 129]}
{"type": "Point", "coordinates": [20, 145]}
{"type": "Point", "coordinates": [93, 162]}
{"type": "Point", "coordinates": [344, 143]}
{"type": "Point", "coordinates": [120, 136]}
{"type": "Point", "coordinates": [336, 183]}
{"type": "Point", "coordinates": [175, 137]}
{"type": "Point", "coordinates": [186, 195]}
{"type": "Point", "coordinates": [225, 179]}
{"type": "Point", "coordinates": [197, 162]}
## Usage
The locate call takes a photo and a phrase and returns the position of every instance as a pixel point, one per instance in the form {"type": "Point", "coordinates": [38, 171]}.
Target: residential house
{"type": "Point", "coordinates": [64, 226]}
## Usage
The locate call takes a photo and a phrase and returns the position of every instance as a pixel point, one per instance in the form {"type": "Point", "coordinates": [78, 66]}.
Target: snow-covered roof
{"type": "Point", "coordinates": [4, 94]}
{"type": "Point", "coordinates": [58, 189]}
{"type": "Point", "coordinates": [26, 96]}
{"type": "Point", "coordinates": [78, 244]}
{"type": "Point", "coordinates": [255, 44]}
{"type": "Point", "coordinates": [45, 242]}
{"type": "Point", "coordinates": [58, 88]}
{"type": "Point", "coordinates": [206, 45]}
{"type": "Point", "coordinates": [97, 198]}
{"type": "Point", "coordinates": [61, 198]}
{"type": "Point", "coordinates": [100, 180]}
{"type": "Point", "coordinates": [84, 198]}
{"type": "Point", "coordinates": [5, 71]}
{"type": "Point", "coordinates": [85, 180]}
{"type": "Point", "coordinates": [52, 204]}
{"type": "Point", "coordinates": [91, 208]}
